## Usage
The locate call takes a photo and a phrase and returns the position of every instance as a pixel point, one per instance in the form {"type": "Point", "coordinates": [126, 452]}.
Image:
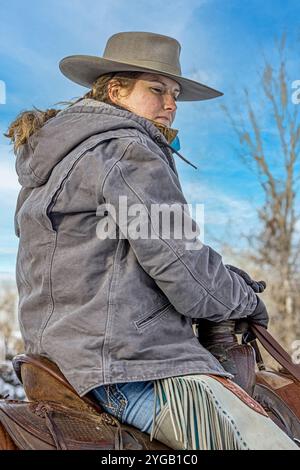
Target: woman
{"type": "Point", "coordinates": [114, 310]}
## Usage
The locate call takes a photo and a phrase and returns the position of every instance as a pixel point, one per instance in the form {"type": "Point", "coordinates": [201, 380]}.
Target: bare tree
{"type": "Point", "coordinates": [276, 247]}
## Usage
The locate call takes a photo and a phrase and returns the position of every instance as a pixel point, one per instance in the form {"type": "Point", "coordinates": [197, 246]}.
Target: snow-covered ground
{"type": "Point", "coordinates": [10, 386]}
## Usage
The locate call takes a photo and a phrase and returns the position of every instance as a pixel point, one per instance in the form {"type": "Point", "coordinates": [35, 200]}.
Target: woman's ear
{"type": "Point", "coordinates": [113, 90]}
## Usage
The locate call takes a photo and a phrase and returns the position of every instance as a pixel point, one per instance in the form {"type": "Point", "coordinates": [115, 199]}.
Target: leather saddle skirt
{"type": "Point", "coordinates": [56, 417]}
{"type": "Point", "coordinates": [48, 425]}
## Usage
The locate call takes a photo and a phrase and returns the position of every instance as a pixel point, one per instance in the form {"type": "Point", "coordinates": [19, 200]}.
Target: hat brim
{"type": "Point", "coordinates": [85, 69]}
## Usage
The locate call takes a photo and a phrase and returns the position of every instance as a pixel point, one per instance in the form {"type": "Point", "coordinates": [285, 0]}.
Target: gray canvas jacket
{"type": "Point", "coordinates": [111, 310]}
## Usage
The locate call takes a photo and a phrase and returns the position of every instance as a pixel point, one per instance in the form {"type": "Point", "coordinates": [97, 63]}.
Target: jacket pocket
{"type": "Point", "coordinates": [154, 315]}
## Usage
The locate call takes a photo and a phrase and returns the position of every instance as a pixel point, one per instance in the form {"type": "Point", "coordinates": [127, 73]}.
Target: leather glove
{"type": "Point", "coordinates": [259, 317]}
{"type": "Point", "coordinates": [257, 286]}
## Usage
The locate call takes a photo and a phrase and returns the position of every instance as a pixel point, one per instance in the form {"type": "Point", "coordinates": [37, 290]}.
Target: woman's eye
{"type": "Point", "coordinates": [157, 90]}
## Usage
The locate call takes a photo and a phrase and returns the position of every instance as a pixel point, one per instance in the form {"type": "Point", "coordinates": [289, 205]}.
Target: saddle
{"type": "Point", "coordinates": [278, 391]}
{"type": "Point", "coordinates": [55, 417]}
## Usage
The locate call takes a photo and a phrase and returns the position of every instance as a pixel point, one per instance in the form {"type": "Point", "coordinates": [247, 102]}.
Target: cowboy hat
{"type": "Point", "coordinates": [136, 51]}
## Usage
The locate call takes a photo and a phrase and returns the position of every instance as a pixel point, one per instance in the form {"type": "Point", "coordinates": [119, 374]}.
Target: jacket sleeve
{"type": "Point", "coordinates": [191, 274]}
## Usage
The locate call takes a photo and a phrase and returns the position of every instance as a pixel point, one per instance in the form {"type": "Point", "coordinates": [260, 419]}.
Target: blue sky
{"type": "Point", "coordinates": [223, 42]}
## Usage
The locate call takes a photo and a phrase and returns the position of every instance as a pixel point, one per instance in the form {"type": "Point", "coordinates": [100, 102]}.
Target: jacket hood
{"type": "Point", "coordinates": [58, 136]}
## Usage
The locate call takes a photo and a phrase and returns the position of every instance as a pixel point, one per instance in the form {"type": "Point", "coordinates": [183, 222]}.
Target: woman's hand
{"type": "Point", "coordinates": [259, 316]}
{"type": "Point", "coordinates": [257, 286]}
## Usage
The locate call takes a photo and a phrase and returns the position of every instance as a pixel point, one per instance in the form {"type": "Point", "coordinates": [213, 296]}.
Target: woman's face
{"type": "Point", "coordinates": [153, 97]}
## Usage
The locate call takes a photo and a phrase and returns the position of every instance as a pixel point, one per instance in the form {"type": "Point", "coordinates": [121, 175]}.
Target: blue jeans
{"type": "Point", "coordinates": [131, 403]}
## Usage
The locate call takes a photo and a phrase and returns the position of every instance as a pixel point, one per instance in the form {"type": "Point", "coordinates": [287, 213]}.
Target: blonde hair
{"type": "Point", "coordinates": [28, 122]}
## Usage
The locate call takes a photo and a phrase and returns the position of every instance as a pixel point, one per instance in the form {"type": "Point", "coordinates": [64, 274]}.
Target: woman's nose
{"type": "Point", "coordinates": [170, 102]}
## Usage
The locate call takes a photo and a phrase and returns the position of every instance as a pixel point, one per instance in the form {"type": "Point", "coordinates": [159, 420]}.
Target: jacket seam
{"type": "Point", "coordinates": [40, 180]}
{"type": "Point", "coordinates": [40, 334]}
{"type": "Point", "coordinates": [106, 340]}
{"type": "Point", "coordinates": [132, 142]}
{"type": "Point", "coordinates": [113, 165]}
